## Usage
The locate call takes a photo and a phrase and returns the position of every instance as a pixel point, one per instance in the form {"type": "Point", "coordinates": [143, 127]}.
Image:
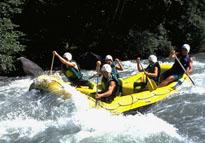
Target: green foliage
{"type": "Point", "coordinates": [9, 45]}
{"type": "Point", "coordinates": [100, 26]}
{"type": "Point", "coordinates": [10, 7]}
{"type": "Point", "coordinates": [123, 28]}
{"type": "Point", "coordinates": [171, 23]}
{"type": "Point", "coordinates": [185, 23]}
{"type": "Point", "coordinates": [146, 42]}
{"type": "Point", "coordinates": [9, 37]}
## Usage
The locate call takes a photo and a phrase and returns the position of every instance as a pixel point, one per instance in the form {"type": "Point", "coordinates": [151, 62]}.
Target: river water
{"type": "Point", "coordinates": [36, 117]}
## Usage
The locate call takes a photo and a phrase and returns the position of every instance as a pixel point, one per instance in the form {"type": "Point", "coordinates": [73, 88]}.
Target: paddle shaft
{"type": "Point", "coordinates": [96, 100]}
{"type": "Point", "coordinates": [147, 76]}
{"type": "Point", "coordinates": [184, 70]}
{"type": "Point", "coordinates": [92, 76]}
{"type": "Point", "coordinates": [52, 64]}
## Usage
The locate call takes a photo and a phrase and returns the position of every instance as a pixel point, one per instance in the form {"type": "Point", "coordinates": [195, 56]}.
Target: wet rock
{"type": "Point", "coordinates": [29, 67]}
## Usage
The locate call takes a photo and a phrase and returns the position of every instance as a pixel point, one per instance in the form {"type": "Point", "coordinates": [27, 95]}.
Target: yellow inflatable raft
{"type": "Point", "coordinates": [127, 101]}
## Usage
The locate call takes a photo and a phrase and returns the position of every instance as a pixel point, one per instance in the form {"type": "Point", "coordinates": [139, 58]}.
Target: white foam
{"type": "Point", "coordinates": [79, 99]}
{"type": "Point", "coordinates": [189, 88]}
{"type": "Point", "coordinates": [96, 123]}
{"type": "Point", "coordinates": [129, 65]}
{"type": "Point", "coordinates": [198, 64]}
{"type": "Point", "coordinates": [23, 127]}
{"type": "Point", "coordinates": [17, 86]}
{"type": "Point", "coordinates": [21, 83]}
{"type": "Point", "coordinates": [100, 123]}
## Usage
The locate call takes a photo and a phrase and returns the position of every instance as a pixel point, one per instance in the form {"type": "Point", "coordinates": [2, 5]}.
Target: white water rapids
{"type": "Point", "coordinates": [34, 117]}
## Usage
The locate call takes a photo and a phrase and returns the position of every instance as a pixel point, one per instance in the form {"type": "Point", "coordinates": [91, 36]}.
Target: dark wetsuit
{"type": "Point", "coordinates": [75, 76]}
{"type": "Point", "coordinates": [105, 85]}
{"type": "Point", "coordinates": [151, 69]}
{"type": "Point", "coordinates": [176, 69]}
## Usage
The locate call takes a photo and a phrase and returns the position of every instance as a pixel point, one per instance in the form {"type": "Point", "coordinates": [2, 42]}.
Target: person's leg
{"type": "Point", "coordinates": [73, 82]}
{"type": "Point", "coordinates": [164, 75]}
{"type": "Point", "coordinates": [168, 80]}
{"type": "Point", "coordinates": [161, 78]}
{"type": "Point", "coordinates": [83, 82]}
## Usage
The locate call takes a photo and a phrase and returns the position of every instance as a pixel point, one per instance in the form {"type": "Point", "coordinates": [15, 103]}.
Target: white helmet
{"type": "Point", "coordinates": [106, 68]}
{"type": "Point", "coordinates": [187, 47]}
{"type": "Point", "coordinates": [152, 58]}
{"type": "Point", "coordinates": [109, 57]}
{"type": "Point", "coordinates": [68, 56]}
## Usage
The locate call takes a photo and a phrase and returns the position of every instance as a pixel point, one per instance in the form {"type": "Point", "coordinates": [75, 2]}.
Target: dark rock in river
{"type": "Point", "coordinates": [29, 67]}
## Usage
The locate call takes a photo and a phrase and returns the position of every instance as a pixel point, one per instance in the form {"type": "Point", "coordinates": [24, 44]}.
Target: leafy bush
{"type": "Point", "coordinates": [9, 37]}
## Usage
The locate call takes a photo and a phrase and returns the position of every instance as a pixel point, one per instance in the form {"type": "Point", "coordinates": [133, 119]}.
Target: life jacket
{"type": "Point", "coordinates": [105, 85]}
{"type": "Point", "coordinates": [151, 69]}
{"type": "Point", "coordinates": [185, 61]}
{"type": "Point", "coordinates": [114, 70]}
{"type": "Point", "coordinates": [71, 73]}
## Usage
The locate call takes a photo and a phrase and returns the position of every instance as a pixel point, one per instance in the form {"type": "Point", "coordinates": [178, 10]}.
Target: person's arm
{"type": "Point", "coordinates": [139, 68]}
{"type": "Point", "coordinates": [190, 68]}
{"type": "Point", "coordinates": [108, 92]}
{"type": "Point", "coordinates": [63, 60]}
{"type": "Point", "coordinates": [173, 54]}
{"type": "Point", "coordinates": [119, 65]}
{"type": "Point", "coordinates": [155, 74]}
{"type": "Point", "coordinates": [98, 64]}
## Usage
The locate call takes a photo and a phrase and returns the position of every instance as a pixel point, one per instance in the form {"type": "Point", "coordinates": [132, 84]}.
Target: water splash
{"type": "Point", "coordinates": [48, 119]}
{"type": "Point", "coordinates": [101, 125]}
{"type": "Point", "coordinates": [23, 127]}
{"type": "Point", "coordinates": [19, 86]}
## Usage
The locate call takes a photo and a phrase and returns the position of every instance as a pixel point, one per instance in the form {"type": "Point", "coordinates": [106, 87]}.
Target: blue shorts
{"type": "Point", "coordinates": [168, 73]}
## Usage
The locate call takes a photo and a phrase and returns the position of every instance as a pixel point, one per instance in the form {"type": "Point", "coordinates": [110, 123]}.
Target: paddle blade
{"type": "Point", "coordinates": [151, 84]}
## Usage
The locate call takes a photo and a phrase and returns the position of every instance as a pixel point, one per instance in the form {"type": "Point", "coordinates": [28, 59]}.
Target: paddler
{"type": "Point", "coordinates": [152, 71]}
{"type": "Point", "coordinates": [176, 72]}
{"type": "Point", "coordinates": [71, 70]}
{"type": "Point", "coordinates": [110, 85]}
{"type": "Point", "coordinates": [117, 65]}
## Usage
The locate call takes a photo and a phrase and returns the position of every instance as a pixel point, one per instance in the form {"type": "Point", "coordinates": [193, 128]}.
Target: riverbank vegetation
{"type": "Point", "coordinates": [123, 28]}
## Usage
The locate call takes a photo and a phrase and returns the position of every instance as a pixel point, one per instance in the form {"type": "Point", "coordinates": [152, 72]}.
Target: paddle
{"type": "Point", "coordinates": [96, 100]}
{"type": "Point", "coordinates": [52, 64]}
{"type": "Point", "coordinates": [152, 84]}
{"type": "Point", "coordinates": [93, 76]}
{"type": "Point", "coordinates": [185, 71]}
